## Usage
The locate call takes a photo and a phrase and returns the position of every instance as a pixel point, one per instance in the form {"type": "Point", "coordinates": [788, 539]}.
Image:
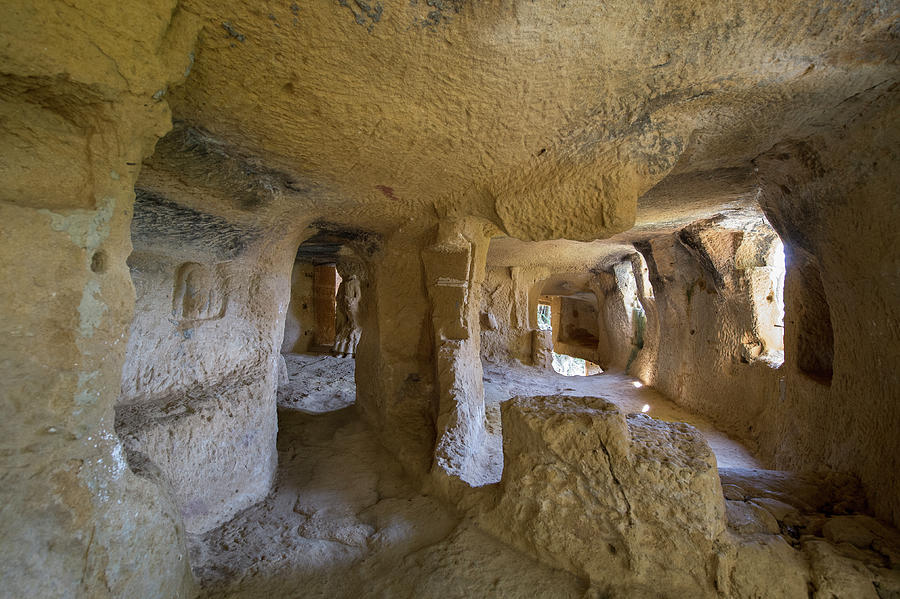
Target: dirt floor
{"type": "Point", "coordinates": [318, 383]}
{"type": "Point", "coordinates": [342, 520]}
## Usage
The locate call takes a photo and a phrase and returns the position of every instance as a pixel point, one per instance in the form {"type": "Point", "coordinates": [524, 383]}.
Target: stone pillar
{"type": "Point", "coordinates": [324, 287]}
{"type": "Point", "coordinates": [454, 270]}
{"type": "Point", "coordinates": [555, 303]}
{"type": "Point", "coordinates": [615, 323]}
{"type": "Point", "coordinates": [82, 106]}
{"type": "Point", "coordinates": [524, 300]}
{"type": "Point", "coordinates": [542, 349]}
{"type": "Point", "coordinates": [520, 304]}
{"type": "Point", "coordinates": [622, 330]}
{"type": "Point", "coordinates": [644, 364]}
{"type": "Point", "coordinates": [394, 357]}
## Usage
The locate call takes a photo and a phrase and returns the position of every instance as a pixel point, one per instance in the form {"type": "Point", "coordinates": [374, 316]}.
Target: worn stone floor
{"type": "Point", "coordinates": [318, 383]}
{"type": "Point", "coordinates": [321, 383]}
{"type": "Point", "coordinates": [502, 381]}
{"type": "Point", "coordinates": [342, 519]}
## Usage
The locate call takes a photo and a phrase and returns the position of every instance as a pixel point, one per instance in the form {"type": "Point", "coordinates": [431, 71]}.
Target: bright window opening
{"type": "Point", "coordinates": [562, 363]}
{"type": "Point", "coordinates": [544, 322]}
{"type": "Point", "coordinates": [569, 366]}
{"type": "Point", "coordinates": [768, 305]}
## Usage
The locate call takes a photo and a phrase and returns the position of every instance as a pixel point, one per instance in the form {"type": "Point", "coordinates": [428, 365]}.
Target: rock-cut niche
{"type": "Point", "coordinates": [815, 336]}
{"type": "Point", "coordinates": [199, 293]}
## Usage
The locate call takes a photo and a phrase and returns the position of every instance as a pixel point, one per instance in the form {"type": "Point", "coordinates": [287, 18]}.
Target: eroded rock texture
{"type": "Point", "coordinates": [347, 321]}
{"type": "Point", "coordinates": [841, 309]}
{"type": "Point", "coordinates": [202, 361]}
{"type": "Point", "coordinates": [174, 173]}
{"type": "Point", "coordinates": [80, 105]}
{"type": "Point", "coordinates": [717, 298]}
{"type": "Point", "coordinates": [620, 501]}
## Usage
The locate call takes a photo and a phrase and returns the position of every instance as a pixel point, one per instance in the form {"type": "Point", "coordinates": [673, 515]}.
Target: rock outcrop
{"type": "Point", "coordinates": [627, 502]}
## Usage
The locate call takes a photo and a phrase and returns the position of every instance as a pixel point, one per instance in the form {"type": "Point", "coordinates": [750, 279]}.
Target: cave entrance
{"type": "Point", "coordinates": [573, 336]}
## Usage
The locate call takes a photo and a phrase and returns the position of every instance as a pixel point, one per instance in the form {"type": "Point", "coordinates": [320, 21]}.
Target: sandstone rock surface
{"type": "Point", "coordinates": [620, 500]}
{"type": "Point", "coordinates": [705, 194]}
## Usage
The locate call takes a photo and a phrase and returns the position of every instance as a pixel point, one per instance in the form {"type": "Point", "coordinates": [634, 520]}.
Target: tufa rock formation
{"type": "Point", "coordinates": [203, 201]}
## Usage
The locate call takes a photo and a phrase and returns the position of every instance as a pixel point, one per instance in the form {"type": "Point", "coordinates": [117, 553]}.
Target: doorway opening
{"type": "Point", "coordinates": [563, 364]}
{"type": "Point", "coordinates": [762, 258]}
{"type": "Point", "coordinates": [322, 329]}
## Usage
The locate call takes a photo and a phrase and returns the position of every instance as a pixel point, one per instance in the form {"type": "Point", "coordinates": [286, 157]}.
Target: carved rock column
{"type": "Point", "coordinates": [454, 268]}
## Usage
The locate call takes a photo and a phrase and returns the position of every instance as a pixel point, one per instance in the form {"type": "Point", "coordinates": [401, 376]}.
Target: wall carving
{"type": "Point", "coordinates": [200, 293]}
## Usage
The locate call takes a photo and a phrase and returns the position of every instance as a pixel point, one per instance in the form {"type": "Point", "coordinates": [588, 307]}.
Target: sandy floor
{"type": "Point", "coordinates": [342, 520]}
{"type": "Point", "coordinates": [502, 382]}
{"type": "Point", "coordinates": [318, 384]}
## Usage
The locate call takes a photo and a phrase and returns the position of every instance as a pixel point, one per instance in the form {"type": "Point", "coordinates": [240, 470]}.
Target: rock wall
{"type": "Point", "coordinates": [509, 299]}
{"type": "Point", "coordinates": [201, 369]}
{"type": "Point", "coordinates": [299, 324]}
{"type": "Point", "coordinates": [833, 202]}
{"type": "Point", "coordinates": [715, 286]}
{"type": "Point", "coordinates": [80, 112]}
{"type": "Point", "coordinates": [212, 263]}
{"type": "Point", "coordinates": [505, 326]}
{"type": "Point", "coordinates": [712, 340]}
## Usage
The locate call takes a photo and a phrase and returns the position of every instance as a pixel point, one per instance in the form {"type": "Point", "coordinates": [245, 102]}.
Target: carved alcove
{"type": "Point", "coordinates": [200, 293]}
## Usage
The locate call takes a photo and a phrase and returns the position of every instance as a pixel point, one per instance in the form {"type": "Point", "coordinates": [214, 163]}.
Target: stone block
{"type": "Point", "coordinates": [625, 501]}
{"type": "Point", "coordinates": [447, 270]}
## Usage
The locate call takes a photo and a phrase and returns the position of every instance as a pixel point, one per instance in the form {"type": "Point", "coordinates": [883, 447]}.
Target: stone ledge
{"type": "Point", "coordinates": [179, 440]}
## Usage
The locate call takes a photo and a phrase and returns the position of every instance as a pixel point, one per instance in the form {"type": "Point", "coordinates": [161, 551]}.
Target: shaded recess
{"type": "Point", "coordinates": [324, 246]}
{"type": "Point", "coordinates": [194, 152]}
{"type": "Point", "coordinates": [815, 337]}
{"type": "Point", "coordinates": [159, 221]}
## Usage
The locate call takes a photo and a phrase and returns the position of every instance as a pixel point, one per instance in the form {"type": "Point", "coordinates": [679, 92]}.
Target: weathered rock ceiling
{"type": "Point", "coordinates": [549, 119]}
